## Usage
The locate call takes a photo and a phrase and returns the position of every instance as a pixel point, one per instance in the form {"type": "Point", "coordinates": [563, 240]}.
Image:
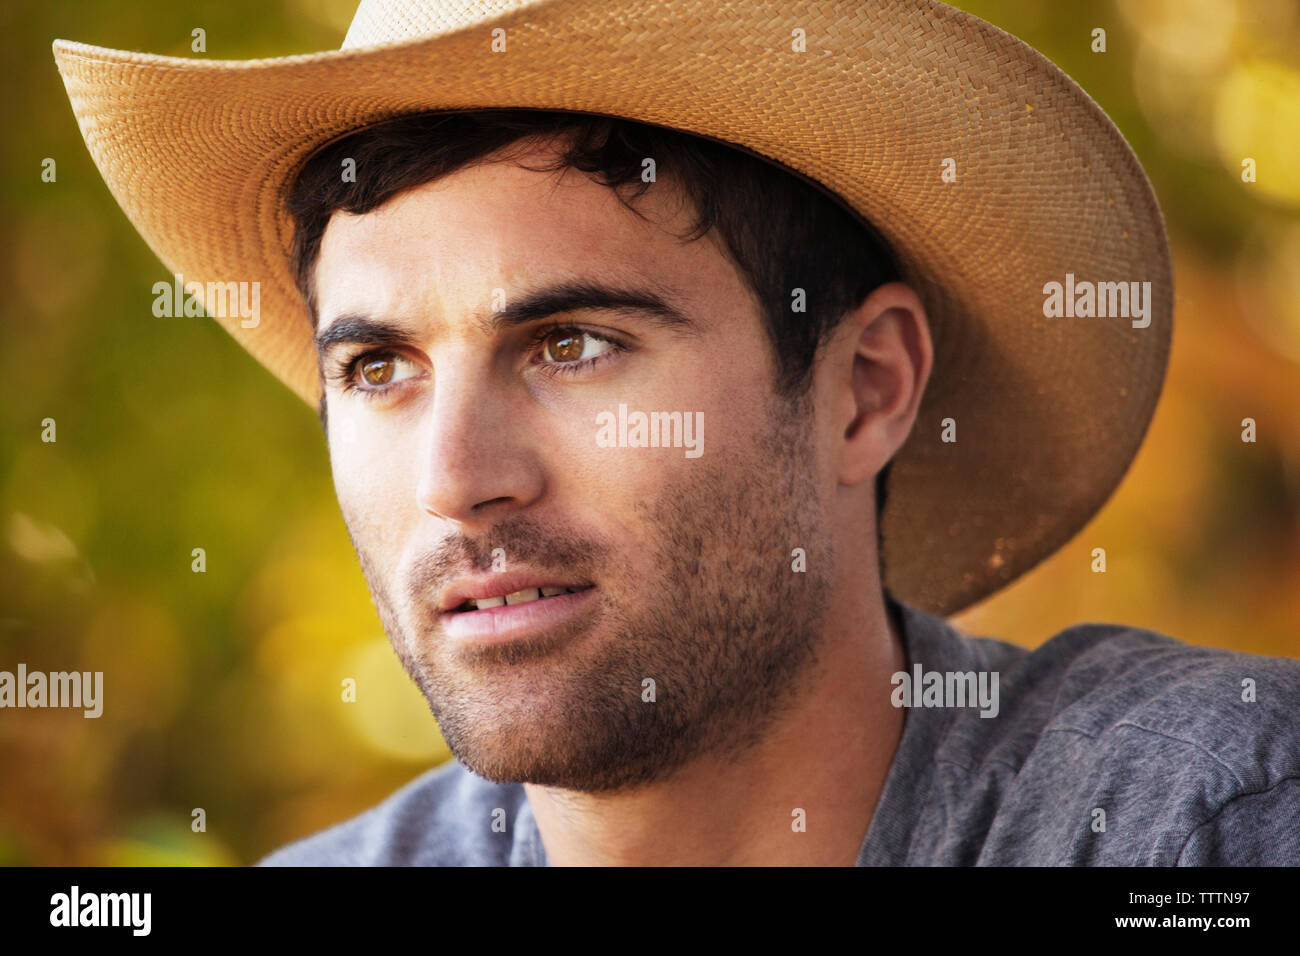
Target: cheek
{"type": "Point", "coordinates": [625, 490]}
{"type": "Point", "coordinates": [372, 479]}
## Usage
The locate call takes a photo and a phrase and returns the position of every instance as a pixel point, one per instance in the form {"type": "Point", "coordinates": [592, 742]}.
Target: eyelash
{"type": "Point", "coordinates": [346, 370]}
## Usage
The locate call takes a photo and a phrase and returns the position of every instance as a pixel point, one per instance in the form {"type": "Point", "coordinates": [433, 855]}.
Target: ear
{"type": "Point", "coordinates": [882, 357]}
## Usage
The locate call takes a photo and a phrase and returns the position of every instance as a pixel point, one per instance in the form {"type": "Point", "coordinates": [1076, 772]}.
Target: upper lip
{"type": "Point", "coordinates": [499, 584]}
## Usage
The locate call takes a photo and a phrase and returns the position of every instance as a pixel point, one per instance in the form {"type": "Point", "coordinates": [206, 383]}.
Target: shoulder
{"type": "Point", "coordinates": [1128, 746]}
{"type": "Point", "coordinates": [1110, 679]}
{"type": "Point", "coordinates": [1205, 737]}
{"type": "Point", "coordinates": [445, 817]}
{"type": "Point", "coordinates": [1098, 681]}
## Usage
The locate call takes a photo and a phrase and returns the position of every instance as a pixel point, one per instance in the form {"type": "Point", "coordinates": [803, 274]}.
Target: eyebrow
{"type": "Point", "coordinates": [569, 296]}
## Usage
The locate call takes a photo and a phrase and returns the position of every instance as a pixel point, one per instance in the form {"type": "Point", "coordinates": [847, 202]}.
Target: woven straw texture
{"type": "Point", "coordinates": [1049, 411]}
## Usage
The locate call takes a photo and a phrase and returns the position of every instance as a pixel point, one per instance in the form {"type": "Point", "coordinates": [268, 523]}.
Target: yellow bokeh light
{"type": "Point", "coordinates": [390, 714]}
{"type": "Point", "coordinates": [1257, 116]}
{"type": "Point", "coordinates": [1195, 34]}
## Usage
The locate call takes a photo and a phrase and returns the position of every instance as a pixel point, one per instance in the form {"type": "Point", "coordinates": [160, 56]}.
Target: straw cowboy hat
{"type": "Point", "coordinates": [992, 174]}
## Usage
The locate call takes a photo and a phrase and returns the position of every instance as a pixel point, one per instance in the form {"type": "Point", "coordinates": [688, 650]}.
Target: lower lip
{"type": "Point", "coordinates": [513, 622]}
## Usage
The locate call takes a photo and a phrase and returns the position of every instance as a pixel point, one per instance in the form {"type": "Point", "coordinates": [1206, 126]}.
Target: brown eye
{"type": "Point", "coordinates": [377, 371]}
{"type": "Point", "coordinates": [564, 345]}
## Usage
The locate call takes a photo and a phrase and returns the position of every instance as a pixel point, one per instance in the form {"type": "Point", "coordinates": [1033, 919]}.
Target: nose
{"type": "Point", "coordinates": [479, 453]}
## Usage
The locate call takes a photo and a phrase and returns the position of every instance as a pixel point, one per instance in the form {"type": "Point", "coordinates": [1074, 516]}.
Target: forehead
{"type": "Point", "coordinates": [499, 226]}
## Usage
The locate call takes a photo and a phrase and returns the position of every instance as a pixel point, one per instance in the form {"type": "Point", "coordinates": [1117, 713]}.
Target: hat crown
{"type": "Point", "coordinates": [378, 22]}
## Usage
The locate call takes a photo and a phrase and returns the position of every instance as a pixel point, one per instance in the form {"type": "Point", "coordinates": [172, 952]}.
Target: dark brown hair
{"type": "Point", "coordinates": [783, 231]}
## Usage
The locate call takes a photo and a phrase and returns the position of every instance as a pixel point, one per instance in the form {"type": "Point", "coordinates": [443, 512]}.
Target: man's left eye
{"type": "Point", "coordinates": [573, 345]}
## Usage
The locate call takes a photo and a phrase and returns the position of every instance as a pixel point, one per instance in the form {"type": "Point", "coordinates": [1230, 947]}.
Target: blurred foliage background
{"type": "Point", "coordinates": [223, 688]}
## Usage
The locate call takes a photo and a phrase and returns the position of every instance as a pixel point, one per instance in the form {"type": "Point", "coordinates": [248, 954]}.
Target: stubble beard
{"type": "Point", "coordinates": [729, 633]}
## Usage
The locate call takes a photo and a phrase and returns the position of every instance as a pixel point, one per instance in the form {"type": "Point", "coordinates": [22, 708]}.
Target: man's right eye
{"type": "Point", "coordinates": [376, 371]}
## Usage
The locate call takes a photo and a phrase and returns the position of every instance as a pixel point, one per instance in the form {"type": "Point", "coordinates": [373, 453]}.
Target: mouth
{"type": "Point", "coordinates": [538, 613]}
{"type": "Point", "coordinates": [522, 596]}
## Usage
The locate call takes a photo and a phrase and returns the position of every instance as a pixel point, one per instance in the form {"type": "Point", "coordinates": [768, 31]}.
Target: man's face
{"type": "Point", "coordinates": [471, 445]}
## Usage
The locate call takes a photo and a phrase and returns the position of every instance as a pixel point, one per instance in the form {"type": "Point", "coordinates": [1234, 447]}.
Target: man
{"type": "Point", "coordinates": [612, 457]}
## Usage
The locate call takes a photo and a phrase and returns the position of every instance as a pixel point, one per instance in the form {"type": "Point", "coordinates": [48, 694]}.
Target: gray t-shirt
{"type": "Point", "coordinates": [1111, 746]}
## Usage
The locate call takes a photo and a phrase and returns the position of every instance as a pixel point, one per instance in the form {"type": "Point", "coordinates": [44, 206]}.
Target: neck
{"type": "Point", "coordinates": [828, 757]}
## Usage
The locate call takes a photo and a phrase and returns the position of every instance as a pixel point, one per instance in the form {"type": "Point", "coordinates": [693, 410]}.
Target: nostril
{"type": "Point", "coordinates": [484, 505]}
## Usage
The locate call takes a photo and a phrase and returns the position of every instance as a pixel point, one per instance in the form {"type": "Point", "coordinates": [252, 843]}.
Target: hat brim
{"type": "Point", "coordinates": [1049, 412]}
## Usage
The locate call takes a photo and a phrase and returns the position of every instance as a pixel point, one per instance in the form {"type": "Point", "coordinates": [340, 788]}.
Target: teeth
{"type": "Point", "coordinates": [520, 597]}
